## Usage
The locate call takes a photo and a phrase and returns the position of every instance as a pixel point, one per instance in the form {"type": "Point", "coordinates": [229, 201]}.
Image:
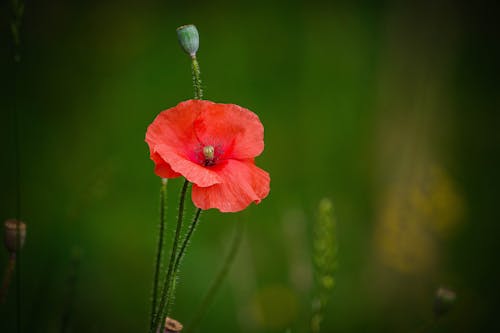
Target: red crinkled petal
{"type": "Point", "coordinates": [175, 126]}
{"type": "Point", "coordinates": [242, 183]}
{"type": "Point", "coordinates": [236, 130]}
{"type": "Point", "coordinates": [193, 172]}
{"type": "Point", "coordinates": [177, 136]}
{"type": "Point", "coordinates": [162, 168]}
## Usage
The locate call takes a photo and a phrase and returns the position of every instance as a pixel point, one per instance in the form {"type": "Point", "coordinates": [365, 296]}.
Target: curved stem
{"type": "Point", "coordinates": [159, 251]}
{"type": "Point", "coordinates": [162, 310]}
{"type": "Point", "coordinates": [214, 288]}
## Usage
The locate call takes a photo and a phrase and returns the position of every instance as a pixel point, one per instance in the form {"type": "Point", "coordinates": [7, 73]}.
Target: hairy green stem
{"type": "Point", "coordinates": [159, 251]}
{"type": "Point", "coordinates": [195, 68]}
{"type": "Point", "coordinates": [162, 309]}
{"type": "Point", "coordinates": [182, 250]}
{"type": "Point", "coordinates": [214, 288]}
{"type": "Point", "coordinates": [185, 242]}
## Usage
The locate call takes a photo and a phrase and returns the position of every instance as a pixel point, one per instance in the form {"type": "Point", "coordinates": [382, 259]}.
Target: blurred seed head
{"type": "Point", "coordinates": [11, 228]}
{"type": "Point", "coordinates": [172, 325]}
{"type": "Point", "coordinates": [189, 39]}
{"type": "Point", "coordinates": [443, 301]}
{"type": "Point", "coordinates": [325, 246]}
{"type": "Point", "coordinates": [325, 261]}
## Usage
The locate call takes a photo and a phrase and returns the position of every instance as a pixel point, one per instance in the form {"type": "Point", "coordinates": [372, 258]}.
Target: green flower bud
{"type": "Point", "coordinates": [189, 39]}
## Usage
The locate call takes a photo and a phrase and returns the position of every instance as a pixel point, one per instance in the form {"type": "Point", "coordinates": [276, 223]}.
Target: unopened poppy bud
{"type": "Point", "coordinates": [189, 39]}
{"type": "Point", "coordinates": [443, 301]}
{"type": "Point", "coordinates": [172, 326]}
{"type": "Point", "coordinates": [11, 228]}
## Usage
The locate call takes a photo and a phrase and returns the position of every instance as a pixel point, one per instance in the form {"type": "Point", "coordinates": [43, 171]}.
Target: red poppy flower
{"type": "Point", "coordinates": [212, 145]}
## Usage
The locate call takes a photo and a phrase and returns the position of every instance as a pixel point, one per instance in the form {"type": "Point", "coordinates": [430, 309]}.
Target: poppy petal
{"type": "Point", "coordinates": [175, 126]}
{"type": "Point", "coordinates": [181, 164]}
{"type": "Point", "coordinates": [162, 168]}
{"type": "Point", "coordinates": [242, 183]}
{"type": "Point", "coordinates": [237, 130]}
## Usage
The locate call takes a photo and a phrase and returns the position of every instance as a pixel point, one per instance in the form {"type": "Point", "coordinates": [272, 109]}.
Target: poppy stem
{"type": "Point", "coordinates": [159, 251]}
{"type": "Point", "coordinates": [166, 294]}
{"type": "Point", "coordinates": [184, 245]}
{"type": "Point", "coordinates": [185, 242]}
{"type": "Point", "coordinates": [202, 309]}
{"type": "Point", "coordinates": [195, 68]}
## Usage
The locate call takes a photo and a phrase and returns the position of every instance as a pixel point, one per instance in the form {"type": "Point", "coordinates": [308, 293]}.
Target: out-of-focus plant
{"type": "Point", "coordinates": [14, 236]}
{"type": "Point", "coordinates": [216, 284]}
{"type": "Point", "coordinates": [325, 249]}
{"type": "Point", "coordinates": [443, 301]}
{"type": "Point", "coordinates": [416, 212]}
{"type": "Point", "coordinates": [15, 229]}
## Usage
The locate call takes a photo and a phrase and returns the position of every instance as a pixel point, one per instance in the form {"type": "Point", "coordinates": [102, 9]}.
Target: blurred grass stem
{"type": "Point", "coordinates": [214, 288]}
{"type": "Point", "coordinates": [15, 25]}
{"type": "Point", "coordinates": [325, 260]}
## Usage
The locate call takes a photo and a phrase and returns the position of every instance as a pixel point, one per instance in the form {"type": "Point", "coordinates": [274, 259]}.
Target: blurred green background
{"type": "Point", "coordinates": [389, 108]}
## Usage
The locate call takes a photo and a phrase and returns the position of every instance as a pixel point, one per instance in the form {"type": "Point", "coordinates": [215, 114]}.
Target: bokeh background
{"type": "Point", "coordinates": [388, 108]}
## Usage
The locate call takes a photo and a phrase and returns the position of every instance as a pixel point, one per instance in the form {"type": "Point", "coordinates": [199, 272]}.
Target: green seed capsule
{"type": "Point", "coordinates": [189, 39]}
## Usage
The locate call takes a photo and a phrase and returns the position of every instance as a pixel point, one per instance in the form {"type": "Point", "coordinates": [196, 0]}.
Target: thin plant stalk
{"type": "Point", "coordinates": [195, 68]}
{"type": "Point", "coordinates": [72, 283]}
{"type": "Point", "coordinates": [182, 250]}
{"type": "Point", "coordinates": [187, 238]}
{"type": "Point", "coordinates": [159, 252]}
{"type": "Point", "coordinates": [9, 269]}
{"type": "Point", "coordinates": [162, 309]}
{"type": "Point", "coordinates": [18, 11]}
{"type": "Point", "coordinates": [214, 288]}
{"type": "Point", "coordinates": [325, 259]}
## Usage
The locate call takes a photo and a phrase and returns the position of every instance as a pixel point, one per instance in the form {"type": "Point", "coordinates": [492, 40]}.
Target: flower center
{"type": "Point", "coordinates": [209, 153]}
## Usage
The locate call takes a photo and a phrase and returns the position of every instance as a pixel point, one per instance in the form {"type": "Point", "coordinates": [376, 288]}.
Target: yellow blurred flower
{"type": "Point", "coordinates": [415, 213]}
